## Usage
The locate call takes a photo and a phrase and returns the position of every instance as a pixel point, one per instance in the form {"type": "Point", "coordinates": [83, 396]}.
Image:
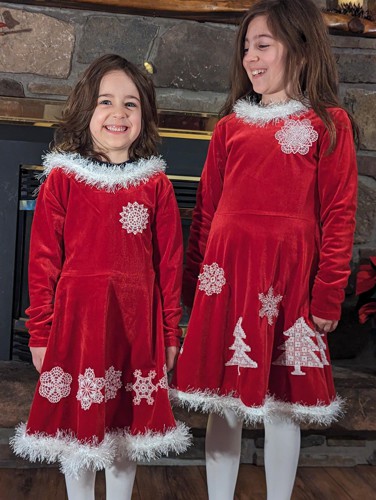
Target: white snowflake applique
{"type": "Point", "coordinates": [240, 348]}
{"type": "Point", "coordinates": [89, 389]}
{"type": "Point", "coordinates": [134, 218]}
{"type": "Point", "coordinates": [212, 279]}
{"type": "Point", "coordinates": [55, 384]}
{"type": "Point", "coordinates": [296, 136]}
{"type": "Point", "coordinates": [269, 305]}
{"type": "Point", "coordinates": [299, 349]}
{"type": "Point", "coordinates": [143, 387]}
{"type": "Point", "coordinates": [112, 383]}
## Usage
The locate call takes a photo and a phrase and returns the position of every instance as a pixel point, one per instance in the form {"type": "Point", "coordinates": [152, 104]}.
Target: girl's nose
{"type": "Point", "coordinates": [120, 112]}
{"type": "Point", "coordinates": [251, 57]}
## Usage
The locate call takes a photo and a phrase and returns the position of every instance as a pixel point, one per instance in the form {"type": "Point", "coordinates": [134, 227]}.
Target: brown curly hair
{"type": "Point", "coordinates": [73, 133]}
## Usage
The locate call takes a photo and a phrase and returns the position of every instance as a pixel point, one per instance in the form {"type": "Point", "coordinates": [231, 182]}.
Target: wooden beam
{"type": "Point", "coordinates": [229, 11]}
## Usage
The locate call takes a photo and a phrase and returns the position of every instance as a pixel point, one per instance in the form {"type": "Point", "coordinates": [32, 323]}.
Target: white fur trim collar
{"type": "Point", "coordinates": [108, 178]}
{"type": "Point", "coordinates": [251, 112]}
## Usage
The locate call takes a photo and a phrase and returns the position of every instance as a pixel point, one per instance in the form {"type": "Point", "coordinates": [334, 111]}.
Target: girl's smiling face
{"type": "Point", "coordinates": [264, 61]}
{"type": "Point", "coordinates": [116, 121]}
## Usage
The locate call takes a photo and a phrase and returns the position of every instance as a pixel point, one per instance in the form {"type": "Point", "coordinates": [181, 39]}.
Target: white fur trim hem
{"type": "Point", "coordinates": [74, 455]}
{"type": "Point", "coordinates": [108, 178]}
{"type": "Point", "coordinates": [272, 409]}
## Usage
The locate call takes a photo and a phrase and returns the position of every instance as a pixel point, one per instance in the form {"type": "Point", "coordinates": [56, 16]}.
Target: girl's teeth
{"type": "Point", "coordinates": [116, 129]}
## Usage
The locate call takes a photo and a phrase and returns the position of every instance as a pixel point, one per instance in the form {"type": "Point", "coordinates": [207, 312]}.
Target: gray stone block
{"type": "Point", "coordinates": [11, 88]}
{"type": "Point", "coordinates": [45, 50]}
{"type": "Point", "coordinates": [194, 56]}
{"type": "Point", "coordinates": [128, 37]}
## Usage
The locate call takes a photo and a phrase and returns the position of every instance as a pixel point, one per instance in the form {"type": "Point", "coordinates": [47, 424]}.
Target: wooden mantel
{"type": "Point", "coordinates": [229, 11]}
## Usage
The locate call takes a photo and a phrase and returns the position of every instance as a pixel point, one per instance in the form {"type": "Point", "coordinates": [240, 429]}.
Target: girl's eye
{"type": "Point", "coordinates": [245, 50]}
{"type": "Point", "coordinates": [263, 46]}
{"type": "Point", "coordinates": [105, 101]}
{"type": "Point", "coordinates": [131, 105]}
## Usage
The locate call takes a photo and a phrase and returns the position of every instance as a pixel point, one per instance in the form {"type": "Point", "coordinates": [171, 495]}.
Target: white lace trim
{"type": "Point", "coordinates": [108, 178]}
{"type": "Point", "coordinates": [212, 402]}
{"type": "Point", "coordinates": [74, 455]}
{"type": "Point", "coordinates": [251, 112]}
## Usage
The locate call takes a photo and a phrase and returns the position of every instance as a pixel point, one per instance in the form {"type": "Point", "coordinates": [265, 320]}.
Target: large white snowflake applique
{"type": "Point", "coordinates": [55, 384]}
{"type": "Point", "coordinates": [212, 279]}
{"type": "Point", "coordinates": [112, 383]}
{"type": "Point", "coordinates": [89, 389]}
{"type": "Point", "coordinates": [134, 218]}
{"type": "Point", "coordinates": [143, 387]}
{"type": "Point", "coordinates": [296, 136]}
{"type": "Point", "coordinates": [269, 305]}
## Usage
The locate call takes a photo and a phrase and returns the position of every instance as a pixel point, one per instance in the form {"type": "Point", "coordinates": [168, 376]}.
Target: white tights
{"type": "Point", "coordinates": [223, 443]}
{"type": "Point", "coordinates": [119, 482]}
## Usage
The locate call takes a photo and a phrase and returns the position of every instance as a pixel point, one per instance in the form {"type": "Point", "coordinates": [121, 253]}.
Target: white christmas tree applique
{"type": "Point", "coordinates": [112, 383]}
{"type": "Point", "coordinates": [269, 305]}
{"type": "Point", "coordinates": [322, 348]}
{"type": "Point", "coordinates": [240, 348]}
{"type": "Point", "coordinates": [134, 218]}
{"type": "Point", "coordinates": [299, 349]}
{"type": "Point", "coordinates": [296, 136]}
{"type": "Point", "coordinates": [212, 279]}
{"type": "Point", "coordinates": [89, 389]}
{"type": "Point", "coordinates": [55, 384]}
{"type": "Point", "coordinates": [144, 386]}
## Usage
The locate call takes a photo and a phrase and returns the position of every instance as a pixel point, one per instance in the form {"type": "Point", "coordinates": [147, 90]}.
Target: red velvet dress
{"type": "Point", "coordinates": [105, 283]}
{"type": "Point", "coordinates": [270, 245]}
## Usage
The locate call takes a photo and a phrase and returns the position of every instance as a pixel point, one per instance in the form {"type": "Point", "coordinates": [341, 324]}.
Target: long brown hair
{"type": "Point", "coordinates": [73, 134]}
{"type": "Point", "coordinates": [311, 69]}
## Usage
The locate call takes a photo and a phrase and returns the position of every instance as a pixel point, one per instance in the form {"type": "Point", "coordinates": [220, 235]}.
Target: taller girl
{"type": "Point", "coordinates": [270, 247]}
{"type": "Point", "coordinates": [104, 280]}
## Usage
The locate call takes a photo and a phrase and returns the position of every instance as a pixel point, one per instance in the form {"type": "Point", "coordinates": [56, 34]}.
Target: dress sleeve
{"type": "Point", "coordinates": [45, 259]}
{"type": "Point", "coordinates": [168, 261]}
{"type": "Point", "coordinates": [337, 188]}
{"type": "Point", "coordinates": [208, 195]}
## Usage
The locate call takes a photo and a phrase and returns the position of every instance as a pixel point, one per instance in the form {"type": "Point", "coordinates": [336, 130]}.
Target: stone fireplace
{"type": "Point", "coordinates": [44, 49]}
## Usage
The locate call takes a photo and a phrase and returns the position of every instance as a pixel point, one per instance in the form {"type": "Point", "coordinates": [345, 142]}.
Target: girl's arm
{"type": "Point", "coordinates": [208, 196]}
{"type": "Point", "coordinates": [168, 264]}
{"type": "Point", "coordinates": [45, 262]}
{"type": "Point", "coordinates": [337, 188]}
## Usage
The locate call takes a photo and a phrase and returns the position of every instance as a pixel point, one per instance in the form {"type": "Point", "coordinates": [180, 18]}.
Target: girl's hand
{"type": "Point", "coordinates": [38, 354]}
{"type": "Point", "coordinates": [324, 325]}
{"type": "Point", "coordinates": [171, 355]}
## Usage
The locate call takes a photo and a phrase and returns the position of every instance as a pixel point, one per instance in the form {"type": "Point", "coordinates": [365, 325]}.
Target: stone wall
{"type": "Point", "coordinates": [190, 61]}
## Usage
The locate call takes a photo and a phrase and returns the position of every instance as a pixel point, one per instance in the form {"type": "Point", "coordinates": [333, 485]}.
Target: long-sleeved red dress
{"type": "Point", "coordinates": [270, 245]}
{"type": "Point", "coordinates": [105, 282]}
